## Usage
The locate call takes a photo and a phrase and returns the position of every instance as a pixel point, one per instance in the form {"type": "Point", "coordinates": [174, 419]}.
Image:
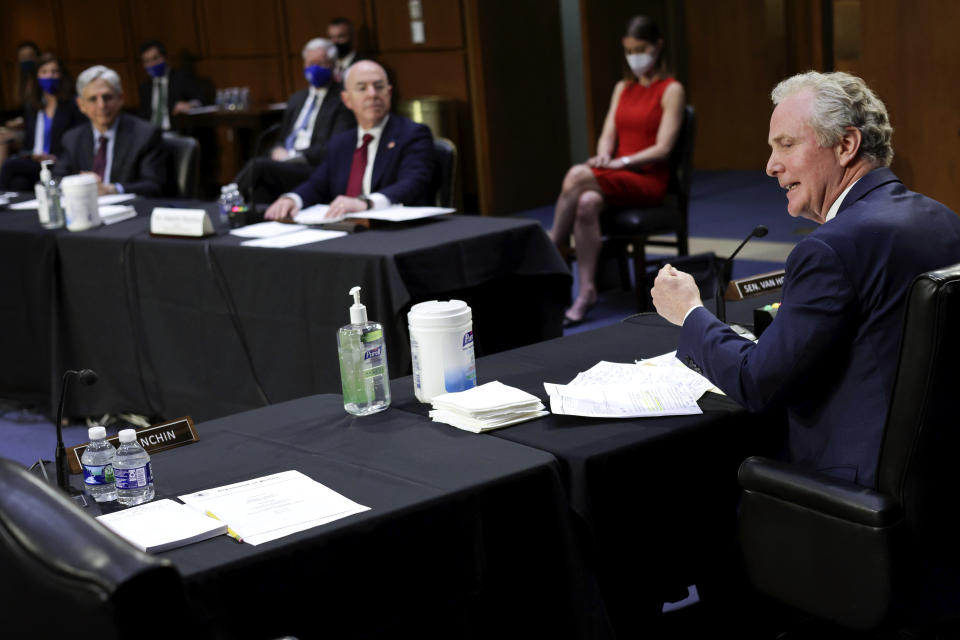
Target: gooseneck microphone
{"type": "Point", "coordinates": [722, 280]}
{"type": "Point", "coordinates": [87, 377]}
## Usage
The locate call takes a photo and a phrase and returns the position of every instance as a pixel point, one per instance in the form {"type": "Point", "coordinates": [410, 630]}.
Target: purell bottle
{"type": "Point", "coordinates": [363, 362]}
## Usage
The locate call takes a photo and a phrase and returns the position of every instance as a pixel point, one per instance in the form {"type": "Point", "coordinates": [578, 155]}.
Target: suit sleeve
{"type": "Point", "coordinates": [342, 119]}
{"type": "Point", "coordinates": [818, 314]}
{"type": "Point", "coordinates": [66, 164]}
{"type": "Point", "coordinates": [151, 169]}
{"type": "Point", "coordinates": [316, 190]}
{"type": "Point", "coordinates": [415, 173]}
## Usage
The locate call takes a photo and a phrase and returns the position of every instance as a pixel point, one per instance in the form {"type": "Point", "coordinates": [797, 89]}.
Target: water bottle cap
{"type": "Point", "coordinates": [128, 435]}
{"type": "Point", "coordinates": [97, 433]}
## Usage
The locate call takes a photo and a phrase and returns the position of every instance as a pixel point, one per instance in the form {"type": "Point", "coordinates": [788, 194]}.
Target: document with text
{"type": "Point", "coordinates": [317, 214]}
{"type": "Point", "coordinates": [620, 400]}
{"type": "Point", "coordinates": [274, 506]}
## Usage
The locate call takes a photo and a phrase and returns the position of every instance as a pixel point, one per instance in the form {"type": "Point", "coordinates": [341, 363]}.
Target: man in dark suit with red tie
{"type": "Point", "coordinates": [125, 153]}
{"type": "Point", "coordinates": [312, 117]}
{"type": "Point", "coordinates": [831, 354]}
{"type": "Point", "coordinates": [386, 160]}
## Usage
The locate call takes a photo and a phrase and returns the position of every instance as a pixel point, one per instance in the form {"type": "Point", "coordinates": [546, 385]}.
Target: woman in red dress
{"type": "Point", "coordinates": [630, 167]}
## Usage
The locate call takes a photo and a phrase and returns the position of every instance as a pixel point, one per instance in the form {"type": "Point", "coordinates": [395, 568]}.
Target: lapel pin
{"type": "Point", "coordinates": [391, 144]}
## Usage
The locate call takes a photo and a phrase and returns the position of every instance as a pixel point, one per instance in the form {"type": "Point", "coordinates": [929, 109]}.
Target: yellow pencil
{"type": "Point", "coordinates": [230, 532]}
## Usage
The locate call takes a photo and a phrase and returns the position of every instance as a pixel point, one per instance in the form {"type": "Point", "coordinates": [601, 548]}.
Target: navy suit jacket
{"type": "Point", "coordinates": [831, 353]}
{"type": "Point", "coordinates": [332, 119]}
{"type": "Point", "coordinates": [66, 117]}
{"type": "Point", "coordinates": [403, 169]}
{"type": "Point", "coordinates": [139, 157]}
{"type": "Point", "coordinates": [181, 86]}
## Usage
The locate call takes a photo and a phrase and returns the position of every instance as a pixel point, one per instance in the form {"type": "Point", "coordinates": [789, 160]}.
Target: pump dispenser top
{"type": "Point", "coordinates": [358, 312]}
{"type": "Point", "coordinates": [45, 175]}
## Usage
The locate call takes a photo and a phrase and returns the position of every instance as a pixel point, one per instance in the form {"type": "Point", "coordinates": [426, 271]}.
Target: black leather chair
{"type": "Point", "coordinates": [882, 557]}
{"type": "Point", "coordinates": [628, 230]}
{"type": "Point", "coordinates": [446, 153]}
{"type": "Point", "coordinates": [63, 573]}
{"type": "Point", "coordinates": [183, 165]}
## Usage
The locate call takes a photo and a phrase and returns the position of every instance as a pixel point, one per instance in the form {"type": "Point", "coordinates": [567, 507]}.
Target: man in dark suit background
{"type": "Point", "coordinates": [167, 91]}
{"type": "Point", "coordinates": [312, 117]}
{"type": "Point", "coordinates": [125, 153]}
{"type": "Point", "coordinates": [831, 354]}
{"type": "Point", "coordinates": [341, 33]}
{"type": "Point", "coordinates": [386, 160]}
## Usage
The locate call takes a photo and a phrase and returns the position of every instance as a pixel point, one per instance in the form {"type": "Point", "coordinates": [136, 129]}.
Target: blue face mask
{"type": "Point", "coordinates": [157, 70]}
{"type": "Point", "coordinates": [49, 85]}
{"type": "Point", "coordinates": [317, 76]}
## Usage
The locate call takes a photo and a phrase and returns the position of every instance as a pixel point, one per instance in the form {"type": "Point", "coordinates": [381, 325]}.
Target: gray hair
{"type": "Point", "coordinates": [321, 43]}
{"type": "Point", "coordinates": [98, 71]}
{"type": "Point", "coordinates": [843, 100]}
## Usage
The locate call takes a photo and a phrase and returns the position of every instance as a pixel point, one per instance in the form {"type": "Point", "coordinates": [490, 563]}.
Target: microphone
{"type": "Point", "coordinates": [723, 278]}
{"type": "Point", "coordinates": [87, 377]}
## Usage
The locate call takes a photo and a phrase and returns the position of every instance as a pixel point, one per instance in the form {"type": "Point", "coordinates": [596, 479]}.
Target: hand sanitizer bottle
{"type": "Point", "coordinates": [363, 362]}
{"type": "Point", "coordinates": [49, 208]}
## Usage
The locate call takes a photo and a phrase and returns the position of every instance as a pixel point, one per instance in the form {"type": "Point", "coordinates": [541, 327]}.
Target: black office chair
{"type": "Point", "coordinates": [446, 180]}
{"type": "Point", "coordinates": [267, 140]}
{"type": "Point", "coordinates": [183, 165]}
{"type": "Point", "coordinates": [870, 559]}
{"type": "Point", "coordinates": [63, 571]}
{"type": "Point", "coordinates": [629, 228]}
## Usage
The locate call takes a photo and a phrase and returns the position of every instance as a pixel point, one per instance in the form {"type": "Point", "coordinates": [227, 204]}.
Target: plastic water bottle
{"type": "Point", "coordinates": [238, 208]}
{"type": "Point", "coordinates": [97, 461]}
{"type": "Point", "coordinates": [132, 471]}
{"type": "Point", "coordinates": [225, 202]}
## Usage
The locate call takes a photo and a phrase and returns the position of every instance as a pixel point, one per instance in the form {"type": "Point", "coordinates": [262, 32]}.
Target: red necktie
{"type": "Point", "coordinates": [359, 166]}
{"type": "Point", "coordinates": [100, 159]}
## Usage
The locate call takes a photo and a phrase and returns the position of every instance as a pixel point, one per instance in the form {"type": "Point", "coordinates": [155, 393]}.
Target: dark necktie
{"type": "Point", "coordinates": [359, 166]}
{"type": "Point", "coordinates": [100, 159]}
{"type": "Point", "coordinates": [291, 140]}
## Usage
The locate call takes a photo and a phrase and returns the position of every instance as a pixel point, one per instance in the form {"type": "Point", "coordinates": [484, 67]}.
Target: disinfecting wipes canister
{"type": "Point", "coordinates": [441, 347]}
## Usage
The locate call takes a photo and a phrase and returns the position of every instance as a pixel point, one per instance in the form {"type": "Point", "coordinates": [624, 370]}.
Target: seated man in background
{"type": "Point", "coordinates": [831, 354]}
{"type": "Point", "coordinates": [386, 160]}
{"type": "Point", "coordinates": [340, 32]}
{"type": "Point", "coordinates": [312, 117]}
{"type": "Point", "coordinates": [125, 153]}
{"type": "Point", "coordinates": [167, 91]}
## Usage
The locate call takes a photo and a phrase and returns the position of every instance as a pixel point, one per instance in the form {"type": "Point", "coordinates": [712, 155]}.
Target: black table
{"type": "Point", "coordinates": [466, 537]}
{"type": "Point", "coordinates": [656, 497]}
{"type": "Point", "coordinates": [207, 327]}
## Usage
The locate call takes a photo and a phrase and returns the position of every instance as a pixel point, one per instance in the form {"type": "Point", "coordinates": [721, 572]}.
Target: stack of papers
{"type": "Point", "coordinates": [279, 235]}
{"type": "Point", "coordinates": [318, 212]}
{"type": "Point", "coordinates": [111, 213]}
{"type": "Point", "coordinates": [161, 525]}
{"type": "Point", "coordinates": [489, 406]}
{"type": "Point", "coordinates": [660, 386]}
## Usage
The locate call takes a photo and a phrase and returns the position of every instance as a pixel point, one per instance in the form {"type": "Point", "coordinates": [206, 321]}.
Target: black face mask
{"type": "Point", "coordinates": [344, 49]}
{"type": "Point", "coordinates": [27, 66]}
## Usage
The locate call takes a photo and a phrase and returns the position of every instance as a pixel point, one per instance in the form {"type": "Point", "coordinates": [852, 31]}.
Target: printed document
{"type": "Point", "coordinates": [317, 214]}
{"type": "Point", "coordinates": [266, 229]}
{"type": "Point", "coordinates": [274, 506]}
{"type": "Point", "coordinates": [620, 400]}
{"type": "Point", "coordinates": [161, 525]}
{"type": "Point", "coordinates": [295, 239]}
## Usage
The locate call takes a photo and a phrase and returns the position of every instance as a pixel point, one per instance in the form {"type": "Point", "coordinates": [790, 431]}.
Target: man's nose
{"type": "Point", "coordinates": [773, 166]}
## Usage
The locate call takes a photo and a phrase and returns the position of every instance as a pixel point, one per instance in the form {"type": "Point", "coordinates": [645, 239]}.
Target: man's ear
{"type": "Point", "coordinates": [849, 145]}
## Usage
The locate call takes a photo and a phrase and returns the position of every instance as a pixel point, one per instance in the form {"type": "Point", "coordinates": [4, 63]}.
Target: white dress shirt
{"type": "Point", "coordinates": [155, 99]}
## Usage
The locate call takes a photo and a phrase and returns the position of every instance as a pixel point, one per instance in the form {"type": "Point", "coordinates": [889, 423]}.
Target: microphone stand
{"type": "Point", "coordinates": [722, 281]}
{"type": "Point", "coordinates": [86, 376]}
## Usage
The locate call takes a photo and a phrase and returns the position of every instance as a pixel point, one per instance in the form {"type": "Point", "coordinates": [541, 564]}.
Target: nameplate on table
{"type": "Point", "coordinates": [754, 285]}
{"type": "Point", "coordinates": [154, 439]}
{"type": "Point", "coordinates": [187, 223]}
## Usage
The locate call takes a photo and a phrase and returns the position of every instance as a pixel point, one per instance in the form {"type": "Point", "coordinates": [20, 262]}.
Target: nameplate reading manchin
{"type": "Point", "coordinates": [155, 438]}
{"type": "Point", "coordinates": [754, 285]}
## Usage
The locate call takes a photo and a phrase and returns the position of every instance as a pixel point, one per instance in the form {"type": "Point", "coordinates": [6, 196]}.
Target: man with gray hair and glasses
{"type": "Point", "coordinates": [831, 353]}
{"type": "Point", "coordinates": [125, 153]}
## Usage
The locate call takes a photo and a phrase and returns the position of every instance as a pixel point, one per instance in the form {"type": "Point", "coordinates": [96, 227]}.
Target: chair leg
{"type": "Point", "coordinates": [640, 274]}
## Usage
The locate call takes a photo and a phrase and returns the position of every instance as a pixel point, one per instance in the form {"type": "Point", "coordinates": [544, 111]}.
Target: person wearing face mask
{"type": "Point", "coordinates": [312, 117]}
{"type": "Point", "coordinates": [630, 167]}
{"type": "Point", "coordinates": [340, 33]}
{"type": "Point", "coordinates": [50, 113]}
{"type": "Point", "coordinates": [11, 133]}
{"type": "Point", "coordinates": [167, 91]}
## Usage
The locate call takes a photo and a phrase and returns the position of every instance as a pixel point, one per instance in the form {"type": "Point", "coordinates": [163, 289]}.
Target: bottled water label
{"type": "Point", "coordinates": [97, 475]}
{"type": "Point", "coordinates": [135, 478]}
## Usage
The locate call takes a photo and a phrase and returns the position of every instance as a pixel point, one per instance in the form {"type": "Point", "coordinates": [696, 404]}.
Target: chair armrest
{"type": "Point", "coordinates": [819, 492]}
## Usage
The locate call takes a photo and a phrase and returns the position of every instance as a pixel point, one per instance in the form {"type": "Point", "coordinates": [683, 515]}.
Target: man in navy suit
{"type": "Point", "coordinates": [167, 91]}
{"type": "Point", "coordinates": [125, 153]}
{"type": "Point", "coordinates": [831, 354]}
{"type": "Point", "coordinates": [386, 160]}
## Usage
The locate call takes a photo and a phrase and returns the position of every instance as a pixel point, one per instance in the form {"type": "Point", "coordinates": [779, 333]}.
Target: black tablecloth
{"type": "Point", "coordinates": [207, 327]}
{"type": "Point", "coordinates": [656, 496]}
{"type": "Point", "coordinates": [465, 536]}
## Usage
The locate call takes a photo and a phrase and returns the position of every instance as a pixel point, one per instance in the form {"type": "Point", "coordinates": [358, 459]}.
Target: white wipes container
{"type": "Point", "coordinates": [79, 196]}
{"type": "Point", "coordinates": [441, 347]}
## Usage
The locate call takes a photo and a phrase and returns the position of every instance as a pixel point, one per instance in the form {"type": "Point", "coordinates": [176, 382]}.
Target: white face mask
{"type": "Point", "coordinates": [640, 63]}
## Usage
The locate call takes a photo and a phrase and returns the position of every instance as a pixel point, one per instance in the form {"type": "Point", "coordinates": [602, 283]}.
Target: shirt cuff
{"type": "Point", "coordinates": [296, 198]}
{"type": "Point", "coordinates": [689, 311]}
{"type": "Point", "coordinates": [379, 201]}
{"type": "Point", "coordinates": [118, 187]}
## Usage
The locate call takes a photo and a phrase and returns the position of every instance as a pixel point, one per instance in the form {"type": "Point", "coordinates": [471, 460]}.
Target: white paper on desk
{"type": "Point", "coordinates": [295, 239]}
{"type": "Point", "coordinates": [620, 401]}
{"type": "Point", "coordinates": [475, 425]}
{"type": "Point", "coordinates": [267, 508]}
{"type": "Point", "coordinates": [114, 198]}
{"type": "Point", "coordinates": [112, 213]}
{"type": "Point", "coordinates": [266, 229]}
{"type": "Point", "coordinates": [161, 525]}
{"type": "Point", "coordinates": [695, 383]}
{"type": "Point", "coordinates": [317, 214]}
